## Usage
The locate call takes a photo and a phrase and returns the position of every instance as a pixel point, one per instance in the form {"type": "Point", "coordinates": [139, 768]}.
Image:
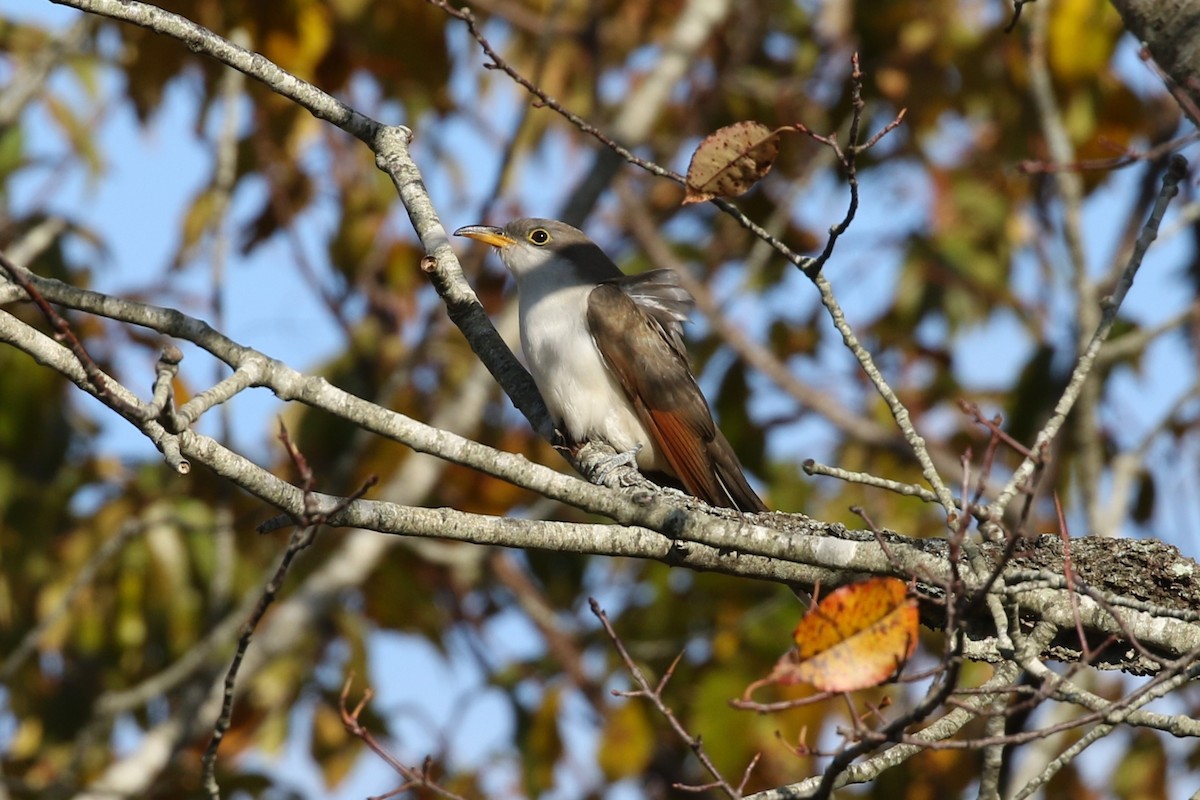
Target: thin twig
{"type": "Point", "coordinates": [848, 158]}
{"type": "Point", "coordinates": [654, 695]}
{"type": "Point", "coordinates": [496, 61]}
{"type": "Point", "coordinates": [1126, 157]}
{"type": "Point", "coordinates": [649, 237]}
{"type": "Point", "coordinates": [1176, 170]}
{"type": "Point", "coordinates": [899, 411]}
{"type": "Point", "coordinates": [65, 336]}
{"type": "Point", "coordinates": [812, 467]}
{"type": "Point", "coordinates": [1183, 671]}
{"type": "Point", "coordinates": [1181, 95]}
{"type": "Point", "coordinates": [1069, 575]}
{"type": "Point", "coordinates": [414, 778]}
{"type": "Point", "coordinates": [301, 538]}
{"type": "Point", "coordinates": [993, 425]}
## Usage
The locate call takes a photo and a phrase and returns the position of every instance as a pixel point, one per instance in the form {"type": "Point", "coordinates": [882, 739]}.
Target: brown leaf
{"type": "Point", "coordinates": [731, 160]}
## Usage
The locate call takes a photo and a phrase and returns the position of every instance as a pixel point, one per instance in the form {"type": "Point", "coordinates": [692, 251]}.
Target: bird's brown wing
{"type": "Point", "coordinates": [646, 353]}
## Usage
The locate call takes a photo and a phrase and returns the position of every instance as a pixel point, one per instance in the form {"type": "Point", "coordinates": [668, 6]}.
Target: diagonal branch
{"type": "Point", "coordinates": [1110, 306]}
{"type": "Point", "coordinates": [390, 146]}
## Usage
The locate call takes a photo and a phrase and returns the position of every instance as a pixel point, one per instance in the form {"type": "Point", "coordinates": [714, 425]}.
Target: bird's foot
{"type": "Point", "coordinates": [604, 468]}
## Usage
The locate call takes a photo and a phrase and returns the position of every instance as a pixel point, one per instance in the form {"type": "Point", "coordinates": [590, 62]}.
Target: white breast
{"type": "Point", "coordinates": [580, 391]}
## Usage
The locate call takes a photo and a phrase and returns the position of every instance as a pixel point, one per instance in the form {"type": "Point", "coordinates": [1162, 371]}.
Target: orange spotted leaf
{"type": "Point", "coordinates": [855, 637]}
{"type": "Point", "coordinates": [731, 160]}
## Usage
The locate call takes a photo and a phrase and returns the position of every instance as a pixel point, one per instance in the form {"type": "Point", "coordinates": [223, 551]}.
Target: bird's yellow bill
{"type": "Point", "coordinates": [496, 237]}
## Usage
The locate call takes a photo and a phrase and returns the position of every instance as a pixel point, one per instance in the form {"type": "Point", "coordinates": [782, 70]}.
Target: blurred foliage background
{"type": "Point", "coordinates": [121, 584]}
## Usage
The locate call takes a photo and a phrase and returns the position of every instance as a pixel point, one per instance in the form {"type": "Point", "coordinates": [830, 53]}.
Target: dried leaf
{"type": "Point", "coordinates": [853, 638]}
{"type": "Point", "coordinates": [78, 130]}
{"type": "Point", "coordinates": [731, 160]}
{"type": "Point", "coordinates": [199, 219]}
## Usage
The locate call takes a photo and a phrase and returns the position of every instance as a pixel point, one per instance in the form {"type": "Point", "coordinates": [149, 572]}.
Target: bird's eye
{"type": "Point", "coordinates": [539, 236]}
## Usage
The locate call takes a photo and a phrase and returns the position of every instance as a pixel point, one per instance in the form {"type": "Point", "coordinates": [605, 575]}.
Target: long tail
{"type": "Point", "coordinates": [735, 490]}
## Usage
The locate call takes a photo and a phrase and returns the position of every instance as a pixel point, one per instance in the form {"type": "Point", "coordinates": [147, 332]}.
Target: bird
{"type": "Point", "coordinates": [607, 354]}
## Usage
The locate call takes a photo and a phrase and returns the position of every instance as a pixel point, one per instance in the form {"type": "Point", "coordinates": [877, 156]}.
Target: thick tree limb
{"type": "Point", "coordinates": [782, 547]}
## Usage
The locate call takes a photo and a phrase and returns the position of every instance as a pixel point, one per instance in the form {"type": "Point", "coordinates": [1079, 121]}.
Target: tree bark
{"type": "Point", "coordinates": [1170, 30]}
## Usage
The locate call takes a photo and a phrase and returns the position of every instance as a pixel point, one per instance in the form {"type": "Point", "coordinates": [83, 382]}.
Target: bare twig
{"type": "Point", "coordinates": [307, 524]}
{"type": "Point", "coordinates": [1018, 6]}
{"type": "Point", "coordinates": [1182, 671]}
{"type": "Point", "coordinates": [993, 425]}
{"type": "Point", "coordinates": [1088, 456]}
{"type": "Point", "coordinates": [1069, 575]}
{"type": "Point", "coordinates": [848, 158]}
{"type": "Point", "coordinates": [938, 730]}
{"type": "Point", "coordinates": [1180, 93]}
{"type": "Point", "coordinates": [1125, 158]}
{"type": "Point", "coordinates": [1110, 305]}
{"type": "Point", "coordinates": [654, 695]}
{"type": "Point", "coordinates": [64, 335]}
{"type": "Point", "coordinates": [899, 412]}
{"type": "Point", "coordinates": [811, 467]}
{"type": "Point", "coordinates": [650, 237]}
{"type": "Point", "coordinates": [498, 62]}
{"type": "Point", "coordinates": [414, 778]}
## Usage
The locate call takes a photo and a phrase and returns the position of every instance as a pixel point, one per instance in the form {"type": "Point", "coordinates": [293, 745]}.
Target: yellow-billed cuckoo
{"type": "Point", "coordinates": [606, 351]}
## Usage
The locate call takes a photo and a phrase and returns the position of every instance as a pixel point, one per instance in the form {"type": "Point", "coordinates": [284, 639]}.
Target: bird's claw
{"type": "Point", "coordinates": [605, 467]}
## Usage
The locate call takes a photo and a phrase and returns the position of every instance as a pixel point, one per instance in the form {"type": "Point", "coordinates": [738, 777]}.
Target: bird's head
{"type": "Point", "coordinates": [528, 245]}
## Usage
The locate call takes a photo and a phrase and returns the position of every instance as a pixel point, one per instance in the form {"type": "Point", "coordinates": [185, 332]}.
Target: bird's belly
{"type": "Point", "coordinates": [580, 391]}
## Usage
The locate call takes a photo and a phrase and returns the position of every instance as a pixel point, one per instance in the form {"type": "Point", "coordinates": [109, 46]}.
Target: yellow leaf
{"type": "Point", "coordinates": [27, 741]}
{"type": "Point", "coordinates": [332, 744]}
{"type": "Point", "coordinates": [1082, 36]}
{"type": "Point", "coordinates": [1141, 773]}
{"type": "Point", "coordinates": [78, 131]}
{"type": "Point", "coordinates": [544, 745]}
{"type": "Point", "coordinates": [301, 49]}
{"type": "Point", "coordinates": [200, 216]}
{"type": "Point", "coordinates": [855, 637]}
{"type": "Point", "coordinates": [627, 743]}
